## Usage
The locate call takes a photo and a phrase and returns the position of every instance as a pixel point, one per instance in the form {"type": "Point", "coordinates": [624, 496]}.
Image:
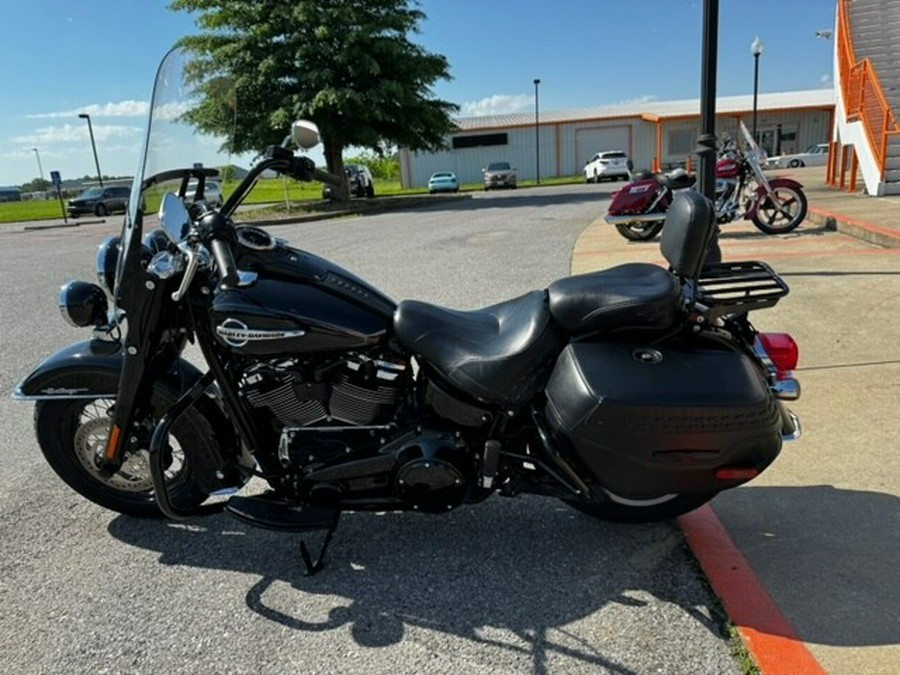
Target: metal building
{"type": "Point", "coordinates": [655, 134]}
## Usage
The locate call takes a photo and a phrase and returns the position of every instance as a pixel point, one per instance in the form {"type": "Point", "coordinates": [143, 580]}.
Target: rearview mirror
{"type": "Point", "coordinates": [305, 134]}
{"type": "Point", "coordinates": [174, 218]}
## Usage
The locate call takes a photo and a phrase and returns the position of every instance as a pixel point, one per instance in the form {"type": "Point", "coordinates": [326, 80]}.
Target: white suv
{"type": "Point", "coordinates": [611, 164]}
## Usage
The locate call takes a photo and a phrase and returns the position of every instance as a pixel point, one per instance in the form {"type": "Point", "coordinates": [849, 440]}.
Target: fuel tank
{"type": "Point", "coordinates": [728, 168]}
{"type": "Point", "coordinates": [290, 302]}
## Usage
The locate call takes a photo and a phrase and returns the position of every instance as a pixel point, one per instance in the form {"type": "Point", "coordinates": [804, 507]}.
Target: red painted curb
{"type": "Point", "coordinates": [768, 635]}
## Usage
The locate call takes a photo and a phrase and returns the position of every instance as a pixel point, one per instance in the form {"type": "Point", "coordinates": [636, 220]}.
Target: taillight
{"type": "Point", "coordinates": [782, 350]}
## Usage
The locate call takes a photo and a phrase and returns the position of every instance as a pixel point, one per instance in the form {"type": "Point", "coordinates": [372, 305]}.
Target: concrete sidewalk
{"type": "Point", "coordinates": [805, 557]}
{"type": "Point", "coordinates": [872, 219]}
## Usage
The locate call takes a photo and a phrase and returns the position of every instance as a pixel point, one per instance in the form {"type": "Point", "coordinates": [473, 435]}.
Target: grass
{"type": "Point", "coordinates": [267, 191]}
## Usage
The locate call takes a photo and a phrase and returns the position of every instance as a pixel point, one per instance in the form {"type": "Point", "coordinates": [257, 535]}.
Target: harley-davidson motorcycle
{"type": "Point", "coordinates": [635, 393]}
{"type": "Point", "coordinates": [743, 191]}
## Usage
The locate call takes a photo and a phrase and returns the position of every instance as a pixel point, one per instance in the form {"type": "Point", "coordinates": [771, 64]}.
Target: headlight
{"type": "Point", "coordinates": [83, 304]}
{"type": "Point", "coordinates": [107, 259]}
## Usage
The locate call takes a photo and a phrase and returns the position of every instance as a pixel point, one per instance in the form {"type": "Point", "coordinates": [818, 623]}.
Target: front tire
{"type": "Point", "coordinates": [72, 431]}
{"type": "Point", "coordinates": [613, 508]}
{"type": "Point", "coordinates": [782, 211]}
{"type": "Point", "coordinates": [640, 231]}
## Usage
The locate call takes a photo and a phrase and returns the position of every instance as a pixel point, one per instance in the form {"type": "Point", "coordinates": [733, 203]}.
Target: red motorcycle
{"type": "Point", "coordinates": [775, 205]}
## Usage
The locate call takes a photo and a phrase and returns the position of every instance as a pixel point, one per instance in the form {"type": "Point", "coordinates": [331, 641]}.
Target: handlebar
{"type": "Point", "coordinates": [220, 242]}
{"type": "Point", "coordinates": [329, 178]}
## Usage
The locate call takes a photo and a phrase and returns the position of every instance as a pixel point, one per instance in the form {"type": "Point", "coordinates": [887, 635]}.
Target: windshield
{"type": "Point", "coordinates": [91, 193]}
{"type": "Point", "coordinates": [752, 148]}
{"type": "Point", "coordinates": [498, 166]}
{"type": "Point", "coordinates": [172, 146]}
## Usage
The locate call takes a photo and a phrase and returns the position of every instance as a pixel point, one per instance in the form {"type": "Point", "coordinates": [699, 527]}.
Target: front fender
{"type": "Point", "coordinates": [67, 373]}
{"type": "Point", "coordinates": [761, 193]}
{"type": "Point", "coordinates": [90, 370]}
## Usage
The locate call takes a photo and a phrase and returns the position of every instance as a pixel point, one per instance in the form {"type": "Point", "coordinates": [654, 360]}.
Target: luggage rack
{"type": "Point", "coordinates": [738, 287]}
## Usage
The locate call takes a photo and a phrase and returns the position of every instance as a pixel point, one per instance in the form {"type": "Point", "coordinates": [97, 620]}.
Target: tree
{"type": "Point", "coordinates": [347, 65]}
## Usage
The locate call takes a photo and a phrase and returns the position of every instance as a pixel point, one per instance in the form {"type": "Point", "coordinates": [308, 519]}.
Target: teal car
{"type": "Point", "coordinates": [443, 181]}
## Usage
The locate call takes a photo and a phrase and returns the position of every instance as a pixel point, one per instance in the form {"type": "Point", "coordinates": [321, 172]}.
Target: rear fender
{"type": "Point", "coordinates": [761, 193]}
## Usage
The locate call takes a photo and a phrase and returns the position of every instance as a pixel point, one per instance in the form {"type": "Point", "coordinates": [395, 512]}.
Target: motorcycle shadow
{"type": "Point", "coordinates": [503, 574]}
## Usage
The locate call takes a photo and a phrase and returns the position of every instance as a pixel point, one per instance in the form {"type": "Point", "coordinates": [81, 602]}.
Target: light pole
{"type": "Point", "coordinates": [40, 168]}
{"type": "Point", "coordinates": [756, 48]}
{"type": "Point", "coordinates": [537, 135]}
{"type": "Point", "coordinates": [87, 117]}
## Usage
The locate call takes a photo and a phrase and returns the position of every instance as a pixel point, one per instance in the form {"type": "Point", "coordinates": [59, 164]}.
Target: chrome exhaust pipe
{"type": "Point", "coordinates": [635, 218]}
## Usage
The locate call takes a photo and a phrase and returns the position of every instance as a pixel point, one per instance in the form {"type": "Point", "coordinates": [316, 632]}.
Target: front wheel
{"type": "Point", "coordinates": [640, 231]}
{"type": "Point", "coordinates": [612, 507]}
{"type": "Point", "coordinates": [781, 211]}
{"type": "Point", "coordinates": [72, 434]}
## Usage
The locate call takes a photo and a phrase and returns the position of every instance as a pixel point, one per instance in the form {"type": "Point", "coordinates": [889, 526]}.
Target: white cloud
{"type": "Point", "coordinates": [646, 98]}
{"type": "Point", "coordinates": [76, 133]}
{"type": "Point", "coordinates": [120, 109]}
{"type": "Point", "coordinates": [498, 104]}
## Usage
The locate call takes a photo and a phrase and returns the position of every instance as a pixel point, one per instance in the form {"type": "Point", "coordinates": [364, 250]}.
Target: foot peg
{"type": "Point", "coordinates": [274, 514]}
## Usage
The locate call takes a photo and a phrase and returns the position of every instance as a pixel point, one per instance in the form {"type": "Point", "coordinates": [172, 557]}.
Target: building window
{"type": "Point", "coordinates": [480, 140]}
{"type": "Point", "coordinates": [681, 141]}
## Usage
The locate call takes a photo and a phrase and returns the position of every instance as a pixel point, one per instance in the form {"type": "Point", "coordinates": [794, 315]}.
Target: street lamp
{"type": "Point", "coordinates": [40, 168]}
{"type": "Point", "coordinates": [756, 48]}
{"type": "Point", "coordinates": [537, 135]}
{"type": "Point", "coordinates": [87, 117]}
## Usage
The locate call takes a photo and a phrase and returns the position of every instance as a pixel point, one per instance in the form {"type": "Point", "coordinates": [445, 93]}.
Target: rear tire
{"type": "Point", "coordinates": [639, 231]}
{"type": "Point", "coordinates": [100, 210]}
{"type": "Point", "coordinates": [620, 510]}
{"type": "Point", "coordinates": [70, 433]}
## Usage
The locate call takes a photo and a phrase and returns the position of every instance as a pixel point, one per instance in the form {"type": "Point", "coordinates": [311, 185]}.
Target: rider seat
{"type": "Point", "coordinates": [499, 354]}
{"type": "Point", "coordinates": [630, 296]}
{"type": "Point", "coordinates": [677, 181]}
{"type": "Point", "coordinates": [504, 353]}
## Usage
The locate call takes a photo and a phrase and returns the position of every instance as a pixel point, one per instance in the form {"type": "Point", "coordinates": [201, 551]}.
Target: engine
{"type": "Point", "coordinates": [357, 391]}
{"type": "Point", "coordinates": [726, 204]}
{"type": "Point", "coordinates": [328, 411]}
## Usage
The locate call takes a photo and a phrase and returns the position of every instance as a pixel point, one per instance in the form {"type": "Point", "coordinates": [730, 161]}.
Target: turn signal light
{"type": "Point", "coordinates": [783, 351]}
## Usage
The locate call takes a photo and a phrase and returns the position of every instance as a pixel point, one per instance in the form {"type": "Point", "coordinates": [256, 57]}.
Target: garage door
{"type": "Point", "coordinates": [599, 139]}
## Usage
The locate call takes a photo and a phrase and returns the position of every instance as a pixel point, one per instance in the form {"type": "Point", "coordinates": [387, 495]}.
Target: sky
{"type": "Point", "coordinates": [62, 57]}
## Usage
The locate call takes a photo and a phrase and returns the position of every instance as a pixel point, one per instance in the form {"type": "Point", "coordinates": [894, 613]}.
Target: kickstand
{"type": "Point", "coordinates": [313, 566]}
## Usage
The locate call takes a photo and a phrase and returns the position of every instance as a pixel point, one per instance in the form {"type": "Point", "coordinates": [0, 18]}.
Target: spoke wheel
{"type": "Point", "coordinates": [72, 434]}
{"type": "Point", "coordinates": [781, 211]}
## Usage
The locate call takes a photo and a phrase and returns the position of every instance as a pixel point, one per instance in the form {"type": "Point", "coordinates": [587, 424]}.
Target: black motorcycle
{"type": "Point", "coordinates": [634, 394]}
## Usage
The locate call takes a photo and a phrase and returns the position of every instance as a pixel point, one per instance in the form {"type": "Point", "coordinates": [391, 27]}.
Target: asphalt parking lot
{"type": "Point", "coordinates": [515, 585]}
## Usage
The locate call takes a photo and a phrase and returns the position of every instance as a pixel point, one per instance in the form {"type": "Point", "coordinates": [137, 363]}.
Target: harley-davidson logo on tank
{"type": "Point", "coordinates": [237, 334]}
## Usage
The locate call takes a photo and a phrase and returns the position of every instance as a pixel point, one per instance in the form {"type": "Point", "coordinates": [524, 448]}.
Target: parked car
{"type": "Point", "coordinates": [100, 201]}
{"type": "Point", "coordinates": [499, 175]}
{"type": "Point", "coordinates": [612, 164]}
{"type": "Point", "coordinates": [814, 155]}
{"type": "Point", "coordinates": [443, 181]}
{"type": "Point", "coordinates": [359, 180]}
{"type": "Point", "coordinates": [212, 193]}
